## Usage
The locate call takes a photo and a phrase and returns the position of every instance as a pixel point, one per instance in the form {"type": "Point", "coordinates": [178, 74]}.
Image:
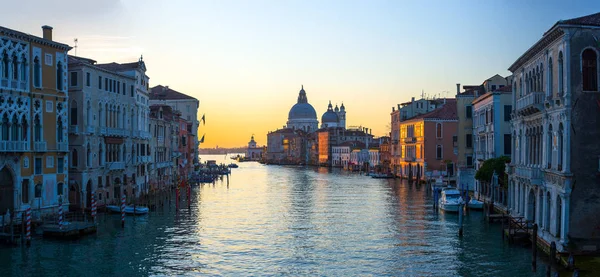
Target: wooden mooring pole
{"type": "Point", "coordinates": [460, 219]}
{"type": "Point", "coordinates": [534, 248]}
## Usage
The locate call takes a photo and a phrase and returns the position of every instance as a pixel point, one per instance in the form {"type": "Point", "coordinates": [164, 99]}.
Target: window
{"type": "Point", "coordinates": [25, 191]}
{"type": "Point", "coordinates": [99, 82]}
{"type": "Point", "coordinates": [119, 87]}
{"type": "Point", "coordinates": [73, 112]}
{"type": "Point", "coordinates": [49, 106]}
{"type": "Point", "coordinates": [50, 162]}
{"type": "Point", "coordinates": [469, 139]}
{"type": "Point", "coordinates": [37, 167]}
{"type": "Point", "coordinates": [589, 70]}
{"type": "Point", "coordinates": [74, 158]}
{"type": "Point", "coordinates": [493, 87]}
{"type": "Point", "coordinates": [438, 130]}
{"type": "Point", "coordinates": [106, 81]}
{"type": "Point", "coordinates": [37, 131]}
{"type": "Point", "coordinates": [37, 73]}
{"type": "Point", "coordinates": [131, 90]}
{"type": "Point", "coordinates": [469, 161]}
{"type": "Point", "coordinates": [507, 110]}
{"type": "Point", "coordinates": [469, 110]}
{"type": "Point", "coordinates": [124, 91]}
{"type": "Point", "coordinates": [455, 141]}
{"type": "Point", "coordinates": [88, 79]}
{"type": "Point", "coordinates": [100, 182]}
{"type": "Point", "coordinates": [59, 76]}
{"type": "Point", "coordinates": [73, 79]}
{"type": "Point", "coordinates": [60, 165]}
{"type": "Point", "coordinates": [60, 189]}
{"type": "Point", "coordinates": [48, 59]}
{"type": "Point", "coordinates": [438, 152]}
{"type": "Point", "coordinates": [507, 144]}
{"type": "Point", "coordinates": [114, 86]}
{"type": "Point", "coordinates": [550, 79]}
{"type": "Point", "coordinates": [59, 129]}
{"type": "Point", "coordinates": [38, 191]}
{"type": "Point", "coordinates": [560, 73]}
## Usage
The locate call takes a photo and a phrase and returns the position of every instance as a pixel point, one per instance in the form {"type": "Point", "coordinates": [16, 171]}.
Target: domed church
{"type": "Point", "coordinates": [302, 115]}
{"type": "Point", "coordinates": [334, 117]}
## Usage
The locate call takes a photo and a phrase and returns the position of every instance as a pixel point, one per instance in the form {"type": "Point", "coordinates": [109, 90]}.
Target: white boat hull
{"type": "Point", "coordinates": [139, 210]}
{"type": "Point", "coordinates": [477, 205]}
{"type": "Point", "coordinates": [449, 207]}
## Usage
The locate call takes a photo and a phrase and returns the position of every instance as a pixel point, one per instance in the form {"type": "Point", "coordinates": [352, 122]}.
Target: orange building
{"type": "Point", "coordinates": [427, 143]}
{"type": "Point", "coordinates": [33, 122]}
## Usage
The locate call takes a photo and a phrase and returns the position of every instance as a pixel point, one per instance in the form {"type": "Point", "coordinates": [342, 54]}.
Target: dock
{"type": "Point", "coordinates": [69, 229]}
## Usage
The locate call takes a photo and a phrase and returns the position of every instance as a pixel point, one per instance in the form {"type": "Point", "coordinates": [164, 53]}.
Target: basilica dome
{"type": "Point", "coordinates": [302, 109]}
{"type": "Point", "coordinates": [329, 116]}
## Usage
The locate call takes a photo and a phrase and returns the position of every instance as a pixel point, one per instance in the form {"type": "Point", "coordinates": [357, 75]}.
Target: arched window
{"type": "Point", "coordinates": [89, 114]}
{"type": "Point", "coordinates": [100, 114]}
{"type": "Point", "coordinates": [438, 130]}
{"type": "Point", "coordinates": [59, 129]}
{"type": "Point", "coordinates": [15, 67]}
{"type": "Point", "coordinates": [23, 69]}
{"type": "Point", "coordinates": [59, 76]}
{"type": "Point", "coordinates": [537, 79]}
{"type": "Point", "coordinates": [5, 65]}
{"type": "Point", "coordinates": [24, 129]}
{"type": "Point", "coordinates": [549, 151]}
{"type": "Point", "coordinates": [558, 216]}
{"type": "Point", "coordinates": [559, 150]}
{"type": "Point", "coordinates": [74, 158]}
{"type": "Point", "coordinates": [548, 209]}
{"type": "Point", "coordinates": [100, 154]}
{"type": "Point", "coordinates": [589, 70]}
{"type": "Point", "coordinates": [541, 77]}
{"type": "Point", "coordinates": [550, 79]}
{"type": "Point", "coordinates": [37, 128]}
{"type": "Point", "coordinates": [560, 73]}
{"type": "Point", "coordinates": [37, 72]}
{"type": "Point", "coordinates": [5, 126]}
{"type": "Point", "coordinates": [73, 112]}
{"type": "Point", "coordinates": [14, 128]}
{"type": "Point", "coordinates": [520, 87]}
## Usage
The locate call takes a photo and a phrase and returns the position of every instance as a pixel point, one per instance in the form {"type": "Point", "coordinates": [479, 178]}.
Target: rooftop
{"type": "Point", "coordinates": [165, 93]}
{"type": "Point", "coordinates": [445, 112]}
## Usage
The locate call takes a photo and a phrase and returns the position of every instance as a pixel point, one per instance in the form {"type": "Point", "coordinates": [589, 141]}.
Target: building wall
{"type": "Point", "coordinates": [464, 128]}
{"type": "Point", "coordinates": [449, 129]}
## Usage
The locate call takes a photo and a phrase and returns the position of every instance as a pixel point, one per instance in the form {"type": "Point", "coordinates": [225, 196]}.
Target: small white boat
{"type": "Point", "coordinates": [139, 210]}
{"type": "Point", "coordinates": [381, 176]}
{"type": "Point", "coordinates": [450, 200]}
{"type": "Point", "coordinates": [475, 204]}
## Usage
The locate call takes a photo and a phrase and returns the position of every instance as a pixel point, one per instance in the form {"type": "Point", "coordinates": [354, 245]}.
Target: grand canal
{"type": "Point", "coordinates": [292, 221]}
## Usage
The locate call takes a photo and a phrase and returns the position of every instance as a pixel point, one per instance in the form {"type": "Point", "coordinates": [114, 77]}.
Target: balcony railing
{"type": "Point", "coordinates": [144, 134]}
{"type": "Point", "coordinates": [116, 132]}
{"type": "Point", "coordinates": [73, 129]}
{"type": "Point", "coordinates": [409, 159]}
{"type": "Point", "coordinates": [116, 166]}
{"type": "Point", "coordinates": [39, 146]}
{"type": "Point", "coordinates": [531, 173]}
{"type": "Point", "coordinates": [143, 159]}
{"type": "Point", "coordinates": [62, 146]}
{"type": "Point", "coordinates": [530, 103]}
{"type": "Point", "coordinates": [480, 129]}
{"type": "Point", "coordinates": [410, 140]}
{"type": "Point", "coordinates": [89, 129]}
{"type": "Point", "coordinates": [102, 130]}
{"type": "Point", "coordinates": [14, 146]}
{"type": "Point", "coordinates": [164, 164]}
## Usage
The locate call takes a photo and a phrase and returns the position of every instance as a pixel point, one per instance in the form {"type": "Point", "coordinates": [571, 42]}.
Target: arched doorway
{"type": "Point", "coordinates": [7, 191]}
{"type": "Point", "coordinates": [548, 209]}
{"type": "Point", "coordinates": [558, 216]}
{"type": "Point", "coordinates": [74, 195]}
{"type": "Point", "coordinates": [531, 206]}
{"type": "Point", "coordinates": [88, 196]}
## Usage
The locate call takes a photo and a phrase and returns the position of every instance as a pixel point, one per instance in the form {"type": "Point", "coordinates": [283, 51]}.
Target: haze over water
{"type": "Point", "coordinates": [292, 221]}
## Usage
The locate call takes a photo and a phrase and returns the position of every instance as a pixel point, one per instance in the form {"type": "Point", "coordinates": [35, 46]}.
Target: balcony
{"type": "Point", "coordinates": [14, 146]}
{"type": "Point", "coordinates": [164, 164]}
{"type": "Point", "coordinates": [410, 140]}
{"type": "Point", "coordinates": [62, 146]}
{"type": "Point", "coordinates": [116, 166]}
{"type": "Point", "coordinates": [89, 129]}
{"type": "Point", "coordinates": [480, 129]}
{"type": "Point", "coordinates": [115, 132]}
{"type": "Point", "coordinates": [531, 173]}
{"type": "Point", "coordinates": [73, 129]}
{"type": "Point", "coordinates": [39, 146]}
{"type": "Point", "coordinates": [409, 159]}
{"type": "Point", "coordinates": [143, 159]}
{"type": "Point", "coordinates": [530, 103]}
{"type": "Point", "coordinates": [102, 130]}
{"type": "Point", "coordinates": [144, 135]}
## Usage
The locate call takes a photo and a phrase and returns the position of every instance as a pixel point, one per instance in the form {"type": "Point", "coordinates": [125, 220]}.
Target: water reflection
{"type": "Point", "coordinates": [274, 220]}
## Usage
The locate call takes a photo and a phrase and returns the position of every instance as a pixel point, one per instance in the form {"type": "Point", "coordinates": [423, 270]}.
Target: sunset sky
{"type": "Point", "coordinates": [246, 60]}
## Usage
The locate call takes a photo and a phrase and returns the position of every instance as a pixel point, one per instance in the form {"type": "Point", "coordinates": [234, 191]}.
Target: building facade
{"type": "Point", "coordinates": [33, 122]}
{"type": "Point", "coordinates": [163, 125]}
{"type": "Point", "coordinates": [254, 152]}
{"type": "Point", "coordinates": [555, 121]}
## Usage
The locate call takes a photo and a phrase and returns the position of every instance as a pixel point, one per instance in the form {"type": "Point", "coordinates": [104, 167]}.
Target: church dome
{"type": "Point", "coordinates": [302, 109]}
{"type": "Point", "coordinates": [329, 116]}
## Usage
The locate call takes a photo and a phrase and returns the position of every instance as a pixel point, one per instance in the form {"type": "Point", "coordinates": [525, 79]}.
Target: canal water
{"type": "Point", "coordinates": [287, 221]}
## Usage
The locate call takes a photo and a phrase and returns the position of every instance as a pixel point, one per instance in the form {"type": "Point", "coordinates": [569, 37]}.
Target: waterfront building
{"type": "Point", "coordinates": [163, 125]}
{"type": "Point", "coordinates": [184, 104]}
{"type": "Point", "coordinates": [552, 176]}
{"type": "Point", "coordinates": [427, 143]}
{"type": "Point", "coordinates": [491, 126]}
{"type": "Point", "coordinates": [334, 117]}
{"type": "Point", "coordinates": [385, 153]}
{"type": "Point", "coordinates": [254, 152]}
{"type": "Point", "coordinates": [33, 122]}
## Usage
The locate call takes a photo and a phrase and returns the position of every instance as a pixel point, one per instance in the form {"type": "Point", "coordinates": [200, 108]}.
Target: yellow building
{"type": "Point", "coordinates": [33, 122]}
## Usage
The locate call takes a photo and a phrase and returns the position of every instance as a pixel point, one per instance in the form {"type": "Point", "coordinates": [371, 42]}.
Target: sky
{"type": "Point", "coordinates": [245, 61]}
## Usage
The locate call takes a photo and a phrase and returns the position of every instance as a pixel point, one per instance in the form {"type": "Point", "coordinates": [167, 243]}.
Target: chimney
{"type": "Point", "coordinates": [393, 109]}
{"type": "Point", "coordinates": [457, 89]}
{"type": "Point", "coordinates": [47, 31]}
{"type": "Point", "coordinates": [412, 100]}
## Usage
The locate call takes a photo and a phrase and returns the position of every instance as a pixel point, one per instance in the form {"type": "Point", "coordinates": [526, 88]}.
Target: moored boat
{"type": "Point", "coordinates": [475, 204]}
{"type": "Point", "coordinates": [450, 200]}
{"type": "Point", "coordinates": [232, 165]}
{"type": "Point", "coordinates": [139, 210]}
{"type": "Point", "coordinates": [381, 176]}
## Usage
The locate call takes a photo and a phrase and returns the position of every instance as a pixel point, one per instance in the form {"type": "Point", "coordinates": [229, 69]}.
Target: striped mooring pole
{"type": "Point", "coordinates": [28, 230]}
{"type": "Point", "coordinates": [60, 214]}
{"type": "Point", "coordinates": [123, 210]}
{"type": "Point", "coordinates": [94, 207]}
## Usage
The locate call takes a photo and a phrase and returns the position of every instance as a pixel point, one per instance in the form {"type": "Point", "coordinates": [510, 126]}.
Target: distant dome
{"type": "Point", "coordinates": [302, 110]}
{"type": "Point", "coordinates": [329, 116]}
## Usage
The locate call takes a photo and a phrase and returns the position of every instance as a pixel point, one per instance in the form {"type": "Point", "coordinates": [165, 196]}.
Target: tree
{"type": "Point", "coordinates": [486, 171]}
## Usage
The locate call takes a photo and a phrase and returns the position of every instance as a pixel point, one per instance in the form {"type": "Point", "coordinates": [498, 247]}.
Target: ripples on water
{"type": "Point", "coordinates": [288, 221]}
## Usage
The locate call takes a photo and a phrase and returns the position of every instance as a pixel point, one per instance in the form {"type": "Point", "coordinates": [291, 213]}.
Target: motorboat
{"type": "Point", "coordinates": [381, 176]}
{"type": "Point", "coordinates": [450, 200]}
{"type": "Point", "coordinates": [139, 210]}
{"type": "Point", "coordinates": [232, 165]}
{"type": "Point", "coordinates": [475, 204]}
